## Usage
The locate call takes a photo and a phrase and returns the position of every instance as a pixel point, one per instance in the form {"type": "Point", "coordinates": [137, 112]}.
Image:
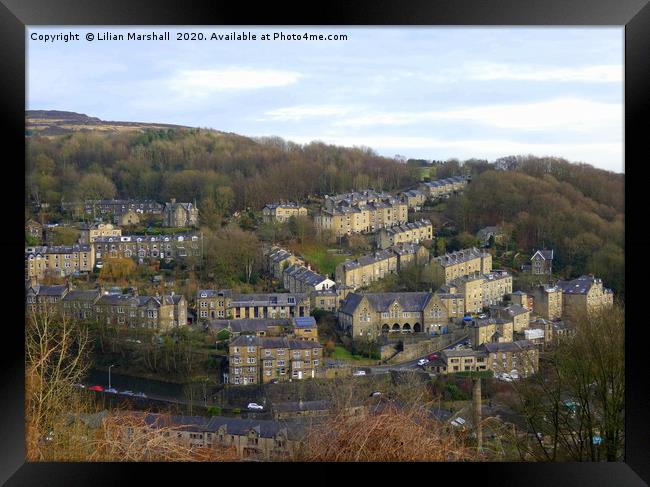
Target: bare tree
{"type": "Point", "coordinates": [578, 395]}
{"type": "Point", "coordinates": [56, 351]}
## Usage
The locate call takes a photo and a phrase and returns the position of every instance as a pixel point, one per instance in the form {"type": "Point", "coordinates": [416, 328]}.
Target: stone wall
{"type": "Point", "coordinates": [415, 349]}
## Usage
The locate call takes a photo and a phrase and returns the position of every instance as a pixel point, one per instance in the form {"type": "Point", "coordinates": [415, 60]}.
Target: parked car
{"type": "Point", "coordinates": [253, 405]}
{"type": "Point", "coordinates": [96, 388]}
{"type": "Point", "coordinates": [274, 381]}
{"type": "Point", "coordinates": [375, 394]}
{"type": "Point", "coordinates": [433, 356]}
{"type": "Point", "coordinates": [80, 386]}
{"type": "Point", "coordinates": [423, 361]}
{"type": "Point", "coordinates": [112, 390]}
{"type": "Point", "coordinates": [127, 393]}
{"type": "Point", "coordinates": [359, 372]}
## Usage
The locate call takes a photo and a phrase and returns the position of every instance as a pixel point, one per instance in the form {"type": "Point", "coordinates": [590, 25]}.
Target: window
{"type": "Point", "coordinates": [251, 360]}
{"type": "Point", "coordinates": [315, 363]}
{"type": "Point", "coordinates": [151, 313]}
{"type": "Point", "coordinates": [281, 362]}
{"type": "Point", "coordinates": [251, 349]}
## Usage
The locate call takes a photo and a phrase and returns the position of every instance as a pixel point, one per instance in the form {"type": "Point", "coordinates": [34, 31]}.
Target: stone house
{"type": "Point", "coordinates": [519, 315]}
{"type": "Point", "coordinates": [504, 357]}
{"type": "Point", "coordinates": [142, 247]}
{"type": "Point", "coordinates": [452, 361]}
{"type": "Point", "coordinates": [548, 302]}
{"type": "Point", "coordinates": [381, 314]}
{"type": "Point", "coordinates": [61, 260]}
{"type": "Point", "coordinates": [414, 199]}
{"type": "Point", "coordinates": [305, 328]}
{"type": "Point", "coordinates": [281, 212]}
{"type": "Point", "coordinates": [278, 259]}
{"type": "Point", "coordinates": [252, 439]}
{"type": "Point", "coordinates": [585, 294]}
{"type": "Point", "coordinates": [212, 304]}
{"type": "Point", "coordinates": [180, 215]}
{"type": "Point", "coordinates": [360, 213]}
{"type": "Point", "coordinates": [414, 232]}
{"type": "Point", "coordinates": [254, 360]}
{"type": "Point", "coordinates": [270, 305]}
{"type": "Point", "coordinates": [91, 232]}
{"type": "Point", "coordinates": [443, 187]}
{"type": "Point", "coordinates": [490, 330]}
{"type": "Point", "coordinates": [300, 279]}
{"type": "Point", "coordinates": [256, 327]}
{"type": "Point", "coordinates": [542, 262]}
{"type": "Point", "coordinates": [463, 263]}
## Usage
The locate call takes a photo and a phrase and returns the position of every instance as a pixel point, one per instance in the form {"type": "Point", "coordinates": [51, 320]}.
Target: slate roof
{"type": "Point", "coordinates": [409, 301]}
{"type": "Point", "coordinates": [407, 227]}
{"type": "Point", "coordinates": [463, 353]}
{"type": "Point", "coordinates": [304, 322]}
{"type": "Point", "coordinates": [368, 259]}
{"type": "Point", "coordinates": [56, 290]}
{"type": "Point", "coordinates": [581, 285]}
{"type": "Point", "coordinates": [246, 325]}
{"type": "Point", "coordinates": [213, 293]}
{"type": "Point", "coordinates": [148, 238]}
{"type": "Point", "coordinates": [273, 342]}
{"type": "Point", "coordinates": [545, 254]}
{"type": "Point", "coordinates": [516, 346]}
{"type": "Point", "coordinates": [58, 249]}
{"type": "Point", "coordinates": [512, 310]}
{"type": "Point", "coordinates": [272, 206]}
{"type": "Point", "coordinates": [459, 256]}
{"type": "Point", "coordinates": [81, 295]}
{"type": "Point", "coordinates": [270, 299]}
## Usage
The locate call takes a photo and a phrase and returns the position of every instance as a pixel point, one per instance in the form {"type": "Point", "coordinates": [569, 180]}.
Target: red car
{"type": "Point", "coordinates": [96, 388]}
{"type": "Point", "coordinates": [433, 356]}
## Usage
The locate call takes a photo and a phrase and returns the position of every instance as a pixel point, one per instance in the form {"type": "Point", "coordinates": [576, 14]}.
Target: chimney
{"type": "Point", "coordinates": [173, 200]}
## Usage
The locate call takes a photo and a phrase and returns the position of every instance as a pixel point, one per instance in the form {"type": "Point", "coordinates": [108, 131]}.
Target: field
{"type": "Point", "coordinates": [321, 260]}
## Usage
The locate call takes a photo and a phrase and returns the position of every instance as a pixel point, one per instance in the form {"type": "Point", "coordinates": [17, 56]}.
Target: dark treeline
{"type": "Point", "coordinates": [572, 208]}
{"type": "Point", "coordinates": [226, 171]}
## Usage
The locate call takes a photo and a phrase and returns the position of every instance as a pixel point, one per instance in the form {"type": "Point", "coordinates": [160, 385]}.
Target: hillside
{"type": "Point", "coordinates": [72, 156]}
{"type": "Point", "coordinates": [56, 122]}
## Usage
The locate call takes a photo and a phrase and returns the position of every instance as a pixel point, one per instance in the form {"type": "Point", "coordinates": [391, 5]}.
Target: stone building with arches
{"type": "Point", "coordinates": [372, 315]}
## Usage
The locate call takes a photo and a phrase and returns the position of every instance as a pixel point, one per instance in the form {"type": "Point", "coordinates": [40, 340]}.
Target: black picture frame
{"type": "Point", "coordinates": [633, 14]}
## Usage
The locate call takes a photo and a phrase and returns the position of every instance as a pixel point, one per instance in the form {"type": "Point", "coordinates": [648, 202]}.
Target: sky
{"type": "Point", "coordinates": [418, 92]}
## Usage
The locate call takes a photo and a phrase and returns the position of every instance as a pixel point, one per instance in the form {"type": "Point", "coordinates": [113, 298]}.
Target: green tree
{"type": "Point", "coordinates": [96, 187]}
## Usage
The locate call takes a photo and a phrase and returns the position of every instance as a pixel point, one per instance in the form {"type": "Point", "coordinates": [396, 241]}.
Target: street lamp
{"type": "Point", "coordinates": [109, 375]}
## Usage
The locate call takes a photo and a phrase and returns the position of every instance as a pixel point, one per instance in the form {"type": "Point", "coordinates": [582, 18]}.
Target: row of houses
{"type": "Point", "coordinates": [360, 212]}
{"type": "Point", "coordinates": [129, 212]}
{"type": "Point", "coordinates": [359, 272]}
{"type": "Point", "coordinates": [66, 260]}
{"type": "Point", "coordinates": [413, 232]}
{"type": "Point", "coordinates": [252, 439]}
{"type": "Point", "coordinates": [443, 187]}
{"type": "Point", "coordinates": [224, 304]}
{"type": "Point", "coordinates": [463, 262]}
{"type": "Point", "coordinates": [281, 212]}
{"type": "Point", "coordinates": [114, 309]}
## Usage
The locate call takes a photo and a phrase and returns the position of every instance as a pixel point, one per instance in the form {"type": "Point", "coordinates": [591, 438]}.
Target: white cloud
{"type": "Point", "coordinates": [201, 82]}
{"type": "Point", "coordinates": [301, 112]}
{"type": "Point", "coordinates": [605, 73]}
{"type": "Point", "coordinates": [563, 113]}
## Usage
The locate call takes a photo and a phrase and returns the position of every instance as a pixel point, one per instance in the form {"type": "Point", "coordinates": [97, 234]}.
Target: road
{"type": "Point", "coordinates": [409, 365]}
